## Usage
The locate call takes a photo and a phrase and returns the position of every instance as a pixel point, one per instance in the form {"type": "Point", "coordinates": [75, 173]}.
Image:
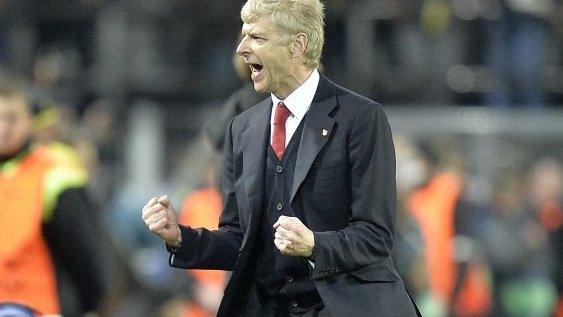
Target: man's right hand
{"type": "Point", "coordinates": [161, 219]}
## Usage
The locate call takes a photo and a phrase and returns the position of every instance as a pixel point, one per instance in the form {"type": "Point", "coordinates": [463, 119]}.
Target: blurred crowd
{"type": "Point", "coordinates": [100, 74]}
{"type": "Point", "coordinates": [461, 257]}
{"type": "Point", "coordinates": [502, 53]}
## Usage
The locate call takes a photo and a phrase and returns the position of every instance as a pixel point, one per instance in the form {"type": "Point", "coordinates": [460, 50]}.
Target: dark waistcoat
{"type": "Point", "coordinates": [279, 277]}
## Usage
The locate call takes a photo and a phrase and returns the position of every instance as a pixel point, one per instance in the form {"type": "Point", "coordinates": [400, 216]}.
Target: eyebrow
{"type": "Point", "coordinates": [254, 33]}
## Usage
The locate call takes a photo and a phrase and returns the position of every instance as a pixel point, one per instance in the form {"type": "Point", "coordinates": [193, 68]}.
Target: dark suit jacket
{"type": "Point", "coordinates": [344, 183]}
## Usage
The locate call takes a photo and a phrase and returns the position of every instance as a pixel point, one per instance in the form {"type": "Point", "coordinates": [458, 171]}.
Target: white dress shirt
{"type": "Point", "coordinates": [298, 103]}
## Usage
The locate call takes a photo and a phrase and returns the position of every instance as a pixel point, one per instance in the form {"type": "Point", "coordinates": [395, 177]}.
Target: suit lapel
{"type": "Point", "coordinates": [255, 144]}
{"type": "Point", "coordinates": [316, 132]}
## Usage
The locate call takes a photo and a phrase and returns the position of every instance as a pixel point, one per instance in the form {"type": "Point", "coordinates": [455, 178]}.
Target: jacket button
{"type": "Point", "coordinates": [289, 279]}
{"type": "Point", "coordinates": [279, 169]}
{"type": "Point", "coordinates": [294, 303]}
{"type": "Point", "coordinates": [279, 206]}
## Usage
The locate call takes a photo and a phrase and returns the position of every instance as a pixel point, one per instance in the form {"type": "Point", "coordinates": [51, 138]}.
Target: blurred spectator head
{"type": "Point", "coordinates": [38, 116]}
{"type": "Point", "coordinates": [545, 182]}
{"type": "Point", "coordinates": [411, 167]}
{"type": "Point", "coordinates": [507, 194]}
{"type": "Point", "coordinates": [290, 19]}
{"type": "Point", "coordinates": [97, 122]}
{"type": "Point", "coordinates": [56, 65]}
{"type": "Point", "coordinates": [429, 155]}
{"type": "Point", "coordinates": [15, 116]}
{"type": "Point", "coordinates": [418, 162]}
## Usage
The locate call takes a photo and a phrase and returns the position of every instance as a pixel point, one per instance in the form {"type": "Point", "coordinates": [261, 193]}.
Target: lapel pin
{"type": "Point", "coordinates": [325, 132]}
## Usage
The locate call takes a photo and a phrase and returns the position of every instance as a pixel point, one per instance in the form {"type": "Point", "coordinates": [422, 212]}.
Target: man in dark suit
{"type": "Point", "coordinates": [308, 186]}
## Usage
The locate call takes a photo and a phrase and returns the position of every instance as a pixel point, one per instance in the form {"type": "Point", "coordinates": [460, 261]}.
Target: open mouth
{"type": "Point", "coordinates": [255, 68]}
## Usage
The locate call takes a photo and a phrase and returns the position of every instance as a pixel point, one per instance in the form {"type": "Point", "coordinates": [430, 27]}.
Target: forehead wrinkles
{"type": "Point", "coordinates": [261, 26]}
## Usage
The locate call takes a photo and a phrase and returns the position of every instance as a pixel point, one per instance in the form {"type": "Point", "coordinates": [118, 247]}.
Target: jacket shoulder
{"type": "Point", "coordinates": [356, 104]}
{"type": "Point", "coordinates": [248, 117]}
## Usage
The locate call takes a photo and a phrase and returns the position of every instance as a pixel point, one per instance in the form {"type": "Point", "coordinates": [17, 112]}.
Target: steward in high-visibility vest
{"type": "Point", "coordinates": [47, 223]}
{"type": "Point", "coordinates": [434, 207]}
{"type": "Point", "coordinates": [202, 208]}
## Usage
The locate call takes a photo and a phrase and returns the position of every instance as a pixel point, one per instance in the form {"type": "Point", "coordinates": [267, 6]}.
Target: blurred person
{"type": "Point", "coordinates": [54, 126]}
{"type": "Point", "coordinates": [97, 144]}
{"type": "Point", "coordinates": [86, 141]}
{"type": "Point", "coordinates": [146, 284]}
{"type": "Point", "coordinates": [58, 72]}
{"type": "Point", "coordinates": [545, 187]}
{"type": "Point", "coordinates": [517, 48]}
{"type": "Point", "coordinates": [239, 101]}
{"type": "Point", "coordinates": [517, 250]}
{"type": "Point", "coordinates": [202, 208]}
{"type": "Point", "coordinates": [455, 277]}
{"type": "Point", "coordinates": [409, 244]}
{"type": "Point", "coordinates": [49, 230]}
{"type": "Point", "coordinates": [211, 139]}
{"type": "Point", "coordinates": [336, 176]}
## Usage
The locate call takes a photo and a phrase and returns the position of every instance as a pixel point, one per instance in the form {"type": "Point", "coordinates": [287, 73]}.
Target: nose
{"type": "Point", "coordinates": [242, 47]}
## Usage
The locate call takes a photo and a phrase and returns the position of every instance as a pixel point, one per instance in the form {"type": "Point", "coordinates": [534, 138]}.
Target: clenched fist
{"type": "Point", "coordinates": [160, 217]}
{"type": "Point", "coordinates": [293, 238]}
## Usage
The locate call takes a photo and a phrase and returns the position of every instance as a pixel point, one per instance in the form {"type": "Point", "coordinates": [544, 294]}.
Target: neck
{"type": "Point", "coordinates": [4, 157]}
{"type": "Point", "coordinates": [294, 81]}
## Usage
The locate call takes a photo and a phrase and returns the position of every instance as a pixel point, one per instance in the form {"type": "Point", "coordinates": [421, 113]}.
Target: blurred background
{"type": "Point", "coordinates": [142, 91]}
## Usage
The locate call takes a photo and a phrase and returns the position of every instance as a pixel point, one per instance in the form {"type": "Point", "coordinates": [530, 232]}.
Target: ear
{"type": "Point", "coordinates": [299, 44]}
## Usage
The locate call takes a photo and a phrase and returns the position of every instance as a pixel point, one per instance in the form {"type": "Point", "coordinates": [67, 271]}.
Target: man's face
{"type": "Point", "coordinates": [268, 57]}
{"type": "Point", "coordinates": [15, 124]}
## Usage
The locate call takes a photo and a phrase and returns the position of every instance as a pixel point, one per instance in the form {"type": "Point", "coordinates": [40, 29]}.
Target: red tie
{"type": "Point", "coordinates": [278, 139]}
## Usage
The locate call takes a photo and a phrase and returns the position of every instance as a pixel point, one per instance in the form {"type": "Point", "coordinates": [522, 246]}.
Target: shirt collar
{"type": "Point", "coordinates": [299, 101]}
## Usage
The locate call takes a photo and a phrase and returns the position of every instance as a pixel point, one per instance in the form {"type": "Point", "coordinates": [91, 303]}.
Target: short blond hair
{"type": "Point", "coordinates": [292, 17]}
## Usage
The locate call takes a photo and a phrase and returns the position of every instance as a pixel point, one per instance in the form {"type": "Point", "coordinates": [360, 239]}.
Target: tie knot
{"type": "Point", "coordinates": [282, 113]}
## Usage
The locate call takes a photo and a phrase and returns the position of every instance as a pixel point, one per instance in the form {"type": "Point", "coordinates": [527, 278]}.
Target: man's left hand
{"type": "Point", "coordinates": [293, 238]}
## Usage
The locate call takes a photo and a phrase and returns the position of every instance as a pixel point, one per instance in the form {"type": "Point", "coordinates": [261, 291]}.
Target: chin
{"type": "Point", "coordinates": [259, 89]}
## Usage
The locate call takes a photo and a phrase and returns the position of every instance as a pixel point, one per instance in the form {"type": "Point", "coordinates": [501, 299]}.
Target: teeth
{"type": "Point", "coordinates": [253, 68]}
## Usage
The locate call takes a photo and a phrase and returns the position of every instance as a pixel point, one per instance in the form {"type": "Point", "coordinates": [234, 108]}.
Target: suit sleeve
{"type": "Point", "coordinates": [214, 249]}
{"type": "Point", "coordinates": [368, 237]}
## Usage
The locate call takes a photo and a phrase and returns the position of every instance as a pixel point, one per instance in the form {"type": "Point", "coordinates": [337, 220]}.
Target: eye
{"type": "Point", "coordinates": [257, 38]}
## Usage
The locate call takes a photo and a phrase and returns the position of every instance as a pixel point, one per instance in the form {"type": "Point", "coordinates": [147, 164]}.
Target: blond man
{"type": "Point", "coordinates": [308, 186]}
